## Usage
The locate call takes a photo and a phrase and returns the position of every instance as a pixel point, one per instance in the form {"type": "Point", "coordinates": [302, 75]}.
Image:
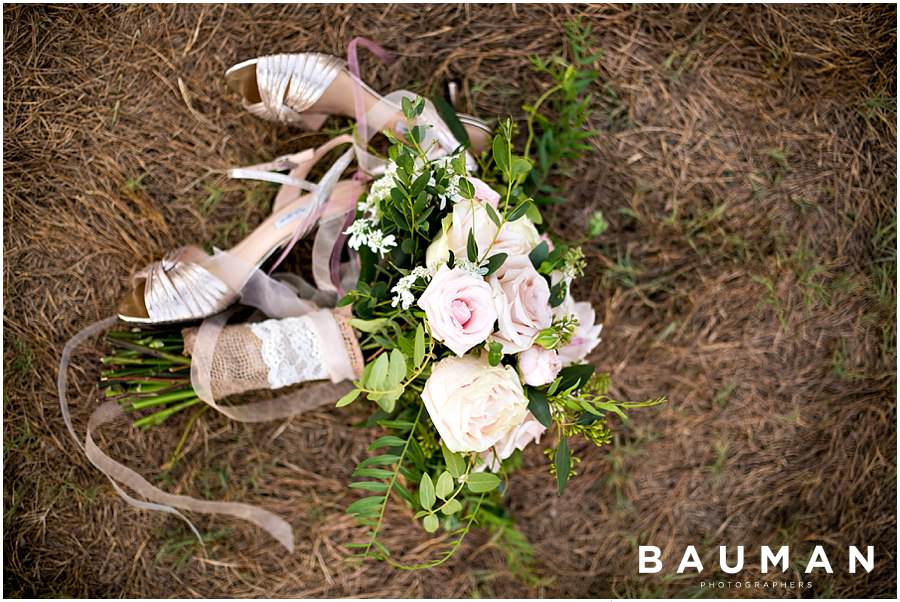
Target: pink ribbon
{"type": "Point", "coordinates": [353, 65]}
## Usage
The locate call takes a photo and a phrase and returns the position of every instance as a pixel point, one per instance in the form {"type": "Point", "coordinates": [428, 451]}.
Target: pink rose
{"type": "Point", "coordinates": [459, 309]}
{"type": "Point", "coordinates": [539, 366]}
{"type": "Point", "coordinates": [587, 334]}
{"type": "Point", "coordinates": [484, 193]}
{"type": "Point", "coordinates": [549, 242]}
{"type": "Point", "coordinates": [522, 299]}
{"type": "Point", "coordinates": [529, 431]}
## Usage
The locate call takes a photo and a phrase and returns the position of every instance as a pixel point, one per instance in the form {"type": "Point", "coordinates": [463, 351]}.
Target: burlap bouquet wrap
{"type": "Point", "coordinates": [273, 354]}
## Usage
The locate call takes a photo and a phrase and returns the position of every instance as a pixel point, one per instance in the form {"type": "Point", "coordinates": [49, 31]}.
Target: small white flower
{"type": "Point", "coordinates": [403, 295]}
{"type": "Point", "coordinates": [358, 233]}
{"type": "Point", "coordinates": [380, 243]}
{"type": "Point", "coordinates": [472, 267]}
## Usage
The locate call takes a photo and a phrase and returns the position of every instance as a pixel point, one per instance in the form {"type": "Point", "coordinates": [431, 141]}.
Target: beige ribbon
{"type": "Point", "coordinates": [310, 397]}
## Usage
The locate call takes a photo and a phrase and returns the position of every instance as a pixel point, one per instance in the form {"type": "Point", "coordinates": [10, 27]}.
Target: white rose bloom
{"type": "Point", "coordinates": [472, 404]}
{"type": "Point", "coordinates": [529, 431]}
{"type": "Point", "coordinates": [516, 238]}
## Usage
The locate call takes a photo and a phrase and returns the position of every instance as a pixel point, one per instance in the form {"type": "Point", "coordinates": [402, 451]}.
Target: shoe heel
{"type": "Point", "coordinates": [312, 121]}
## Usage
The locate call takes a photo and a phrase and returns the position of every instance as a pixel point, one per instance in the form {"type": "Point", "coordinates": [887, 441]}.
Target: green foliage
{"type": "Point", "coordinates": [558, 120]}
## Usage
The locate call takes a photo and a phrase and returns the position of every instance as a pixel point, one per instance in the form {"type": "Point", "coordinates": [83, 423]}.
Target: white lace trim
{"type": "Point", "coordinates": [290, 349]}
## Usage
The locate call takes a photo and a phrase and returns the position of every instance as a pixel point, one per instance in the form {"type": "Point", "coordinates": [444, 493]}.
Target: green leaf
{"type": "Point", "coordinates": [472, 247]}
{"type": "Point", "coordinates": [451, 507]}
{"type": "Point", "coordinates": [348, 398]}
{"type": "Point", "coordinates": [382, 460]}
{"type": "Point", "coordinates": [365, 505]}
{"type": "Point", "coordinates": [398, 425]}
{"type": "Point", "coordinates": [376, 486]}
{"type": "Point", "coordinates": [494, 262]}
{"type": "Point", "coordinates": [500, 149]}
{"type": "Point", "coordinates": [575, 376]}
{"type": "Point", "coordinates": [396, 369]}
{"type": "Point", "coordinates": [373, 473]}
{"type": "Point", "coordinates": [448, 115]}
{"type": "Point", "coordinates": [520, 168]}
{"type": "Point", "coordinates": [539, 406]}
{"type": "Point", "coordinates": [519, 211]}
{"type": "Point", "coordinates": [558, 293]}
{"type": "Point", "coordinates": [404, 493]}
{"type": "Point", "coordinates": [455, 463]}
{"type": "Point", "coordinates": [444, 485]}
{"type": "Point", "coordinates": [534, 214]}
{"type": "Point", "coordinates": [378, 376]}
{"type": "Point", "coordinates": [492, 213]}
{"type": "Point", "coordinates": [539, 254]}
{"type": "Point", "coordinates": [419, 354]}
{"type": "Point", "coordinates": [387, 441]}
{"type": "Point", "coordinates": [563, 465]}
{"type": "Point", "coordinates": [597, 224]}
{"type": "Point", "coordinates": [426, 492]}
{"type": "Point", "coordinates": [369, 325]}
{"type": "Point", "coordinates": [430, 523]}
{"type": "Point", "coordinates": [482, 482]}
{"type": "Point", "coordinates": [408, 109]}
{"type": "Point", "coordinates": [466, 190]}
{"type": "Point", "coordinates": [387, 400]}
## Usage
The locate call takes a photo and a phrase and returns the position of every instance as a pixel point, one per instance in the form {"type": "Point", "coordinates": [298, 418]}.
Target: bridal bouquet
{"type": "Point", "coordinates": [474, 345]}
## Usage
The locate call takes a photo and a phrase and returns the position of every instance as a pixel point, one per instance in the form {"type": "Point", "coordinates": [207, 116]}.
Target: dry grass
{"type": "Point", "coordinates": [748, 173]}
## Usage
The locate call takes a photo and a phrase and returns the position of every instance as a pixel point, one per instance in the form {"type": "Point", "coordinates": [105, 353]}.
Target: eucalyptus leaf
{"type": "Point", "coordinates": [426, 492]}
{"type": "Point", "coordinates": [444, 485]}
{"type": "Point", "coordinates": [466, 190]}
{"type": "Point", "coordinates": [378, 376]}
{"type": "Point", "coordinates": [396, 369]}
{"type": "Point", "coordinates": [482, 482]}
{"type": "Point", "coordinates": [348, 398]}
{"type": "Point", "coordinates": [472, 247]}
{"type": "Point", "coordinates": [539, 254]}
{"type": "Point", "coordinates": [430, 523]}
{"type": "Point", "coordinates": [519, 211]}
{"type": "Point", "coordinates": [494, 262]}
{"type": "Point", "coordinates": [419, 354]}
{"type": "Point", "coordinates": [500, 150]}
{"type": "Point", "coordinates": [369, 325]}
{"type": "Point", "coordinates": [451, 507]}
{"type": "Point", "coordinates": [456, 465]}
{"type": "Point", "coordinates": [492, 213]}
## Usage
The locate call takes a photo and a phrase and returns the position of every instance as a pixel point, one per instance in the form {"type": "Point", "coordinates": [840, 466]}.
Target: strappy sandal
{"type": "Point", "coordinates": [306, 88]}
{"type": "Point", "coordinates": [187, 284]}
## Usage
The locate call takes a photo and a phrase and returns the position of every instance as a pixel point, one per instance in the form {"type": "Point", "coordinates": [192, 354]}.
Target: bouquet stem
{"type": "Point", "coordinates": [146, 370]}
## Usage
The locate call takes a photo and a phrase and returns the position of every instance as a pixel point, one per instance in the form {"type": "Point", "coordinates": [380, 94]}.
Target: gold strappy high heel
{"type": "Point", "coordinates": [306, 88]}
{"type": "Point", "coordinates": [187, 284]}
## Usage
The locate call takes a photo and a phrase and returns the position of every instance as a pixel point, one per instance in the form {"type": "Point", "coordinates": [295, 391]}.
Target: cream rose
{"type": "Point", "coordinates": [472, 404]}
{"type": "Point", "coordinates": [529, 431]}
{"type": "Point", "coordinates": [522, 299]}
{"type": "Point", "coordinates": [586, 335]}
{"type": "Point", "coordinates": [515, 238]}
{"type": "Point", "coordinates": [459, 309]}
{"type": "Point", "coordinates": [539, 366]}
